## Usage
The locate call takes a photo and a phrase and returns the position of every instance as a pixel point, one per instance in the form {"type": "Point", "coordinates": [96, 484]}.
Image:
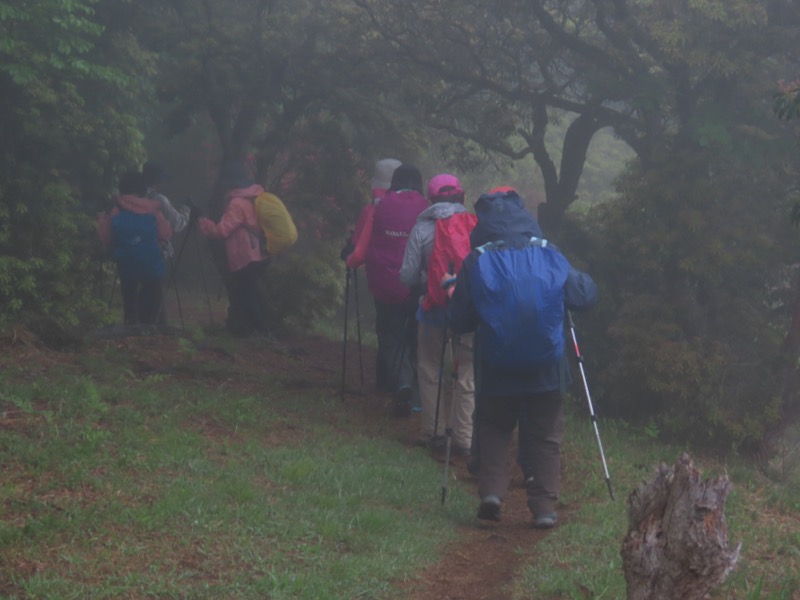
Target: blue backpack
{"type": "Point", "coordinates": [519, 295]}
{"type": "Point", "coordinates": [135, 245]}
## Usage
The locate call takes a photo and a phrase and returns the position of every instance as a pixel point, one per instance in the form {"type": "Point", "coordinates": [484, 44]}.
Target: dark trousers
{"type": "Point", "coordinates": [141, 300]}
{"type": "Point", "coordinates": [397, 344]}
{"type": "Point", "coordinates": [246, 304]}
{"type": "Point", "coordinates": [497, 416]}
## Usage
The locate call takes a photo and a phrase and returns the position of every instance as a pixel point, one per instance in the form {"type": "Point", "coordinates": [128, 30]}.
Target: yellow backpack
{"type": "Point", "coordinates": [276, 222]}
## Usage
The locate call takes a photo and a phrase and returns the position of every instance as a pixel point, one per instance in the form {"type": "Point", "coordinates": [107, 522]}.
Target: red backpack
{"type": "Point", "coordinates": [450, 247]}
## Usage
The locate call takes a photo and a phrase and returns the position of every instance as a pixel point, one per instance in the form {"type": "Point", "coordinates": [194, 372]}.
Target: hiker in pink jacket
{"type": "Point", "coordinates": [244, 248]}
{"type": "Point", "coordinates": [395, 305]}
{"type": "Point", "coordinates": [355, 250]}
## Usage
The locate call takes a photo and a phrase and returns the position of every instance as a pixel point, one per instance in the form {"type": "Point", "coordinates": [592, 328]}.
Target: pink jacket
{"type": "Point", "coordinates": [238, 227]}
{"type": "Point", "coordinates": [135, 204]}
{"type": "Point", "coordinates": [363, 230]}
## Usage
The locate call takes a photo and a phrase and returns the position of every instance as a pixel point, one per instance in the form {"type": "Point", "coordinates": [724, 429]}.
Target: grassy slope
{"type": "Point", "coordinates": [152, 468]}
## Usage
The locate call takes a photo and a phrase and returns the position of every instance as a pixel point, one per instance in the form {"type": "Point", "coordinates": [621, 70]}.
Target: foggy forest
{"type": "Point", "coordinates": [655, 141]}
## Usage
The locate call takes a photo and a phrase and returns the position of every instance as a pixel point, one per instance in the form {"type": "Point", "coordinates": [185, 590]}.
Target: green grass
{"type": "Point", "coordinates": [154, 487]}
{"type": "Point", "coordinates": [180, 484]}
{"type": "Point", "coordinates": [582, 558]}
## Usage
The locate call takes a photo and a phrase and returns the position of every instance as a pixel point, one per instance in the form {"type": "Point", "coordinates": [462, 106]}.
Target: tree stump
{"type": "Point", "coordinates": [677, 544]}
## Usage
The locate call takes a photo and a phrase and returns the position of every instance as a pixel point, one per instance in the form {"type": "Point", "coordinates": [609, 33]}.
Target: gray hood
{"type": "Point", "coordinates": [440, 210]}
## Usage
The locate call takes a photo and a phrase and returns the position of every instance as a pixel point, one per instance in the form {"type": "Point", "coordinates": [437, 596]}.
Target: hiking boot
{"type": "Point", "coordinates": [402, 402]}
{"type": "Point", "coordinates": [437, 442]}
{"type": "Point", "coordinates": [461, 451]}
{"type": "Point", "coordinates": [489, 509]}
{"type": "Point", "coordinates": [431, 442]}
{"type": "Point", "coordinates": [473, 465]}
{"type": "Point", "coordinates": [545, 521]}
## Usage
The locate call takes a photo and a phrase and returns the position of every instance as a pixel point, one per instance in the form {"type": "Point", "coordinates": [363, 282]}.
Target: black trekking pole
{"type": "Point", "coordinates": [450, 269]}
{"type": "Point", "coordinates": [448, 430]}
{"type": "Point", "coordinates": [192, 223]}
{"type": "Point", "coordinates": [358, 330]}
{"type": "Point", "coordinates": [347, 276]}
{"type": "Point", "coordinates": [177, 295]}
{"type": "Point", "coordinates": [203, 275]}
{"type": "Point", "coordinates": [579, 357]}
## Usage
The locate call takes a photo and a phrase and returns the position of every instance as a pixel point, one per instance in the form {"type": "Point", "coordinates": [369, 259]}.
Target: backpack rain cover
{"type": "Point", "coordinates": [135, 245]}
{"type": "Point", "coordinates": [450, 246]}
{"type": "Point", "coordinates": [519, 295]}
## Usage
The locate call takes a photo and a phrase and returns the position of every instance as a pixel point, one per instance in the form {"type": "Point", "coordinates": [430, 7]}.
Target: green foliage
{"type": "Point", "coordinates": [786, 103]}
{"type": "Point", "coordinates": [46, 263]}
{"type": "Point", "coordinates": [691, 335]}
{"type": "Point", "coordinates": [322, 180]}
{"type": "Point", "coordinates": [304, 289]}
{"type": "Point", "coordinates": [67, 131]}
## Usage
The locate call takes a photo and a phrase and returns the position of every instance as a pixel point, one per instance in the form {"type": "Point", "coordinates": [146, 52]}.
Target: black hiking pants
{"type": "Point", "coordinates": [247, 311]}
{"type": "Point", "coordinates": [141, 300]}
{"type": "Point", "coordinates": [396, 327]}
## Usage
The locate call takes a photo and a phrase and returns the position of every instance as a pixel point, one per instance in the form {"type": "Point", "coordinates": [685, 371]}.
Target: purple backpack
{"type": "Point", "coordinates": [393, 220]}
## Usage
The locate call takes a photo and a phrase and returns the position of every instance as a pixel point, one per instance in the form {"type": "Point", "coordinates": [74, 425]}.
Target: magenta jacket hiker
{"type": "Point", "coordinates": [393, 219]}
{"type": "Point", "coordinates": [238, 227]}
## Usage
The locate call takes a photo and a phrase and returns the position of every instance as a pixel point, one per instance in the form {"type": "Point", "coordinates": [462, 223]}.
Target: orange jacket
{"type": "Point", "coordinates": [135, 204]}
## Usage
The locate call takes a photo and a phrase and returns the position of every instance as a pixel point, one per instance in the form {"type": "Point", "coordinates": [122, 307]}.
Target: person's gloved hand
{"type": "Point", "coordinates": [192, 208]}
{"type": "Point", "coordinates": [347, 250]}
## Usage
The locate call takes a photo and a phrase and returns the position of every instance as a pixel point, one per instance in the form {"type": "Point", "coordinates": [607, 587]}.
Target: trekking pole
{"type": "Point", "coordinates": [177, 295]}
{"type": "Point", "coordinates": [358, 330]}
{"type": "Point", "coordinates": [448, 431]}
{"type": "Point", "coordinates": [579, 356]}
{"type": "Point", "coordinates": [171, 279]}
{"type": "Point", "coordinates": [450, 269]}
{"type": "Point", "coordinates": [347, 276]}
{"type": "Point", "coordinates": [203, 275]}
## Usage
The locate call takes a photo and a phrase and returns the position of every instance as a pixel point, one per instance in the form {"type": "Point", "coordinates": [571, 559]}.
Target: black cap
{"type": "Point", "coordinates": [154, 173]}
{"type": "Point", "coordinates": [232, 174]}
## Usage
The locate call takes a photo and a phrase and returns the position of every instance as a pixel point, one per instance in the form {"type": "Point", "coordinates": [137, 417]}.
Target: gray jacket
{"type": "Point", "coordinates": [414, 271]}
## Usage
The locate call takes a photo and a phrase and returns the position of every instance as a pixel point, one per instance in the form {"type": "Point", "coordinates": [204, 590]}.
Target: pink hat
{"type": "Point", "coordinates": [444, 185]}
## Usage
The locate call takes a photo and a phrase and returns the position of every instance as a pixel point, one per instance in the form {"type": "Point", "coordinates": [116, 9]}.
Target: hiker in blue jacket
{"type": "Point", "coordinates": [501, 389]}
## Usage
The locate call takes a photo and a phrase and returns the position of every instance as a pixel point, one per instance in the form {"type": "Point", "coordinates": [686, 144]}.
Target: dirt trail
{"type": "Point", "coordinates": [481, 563]}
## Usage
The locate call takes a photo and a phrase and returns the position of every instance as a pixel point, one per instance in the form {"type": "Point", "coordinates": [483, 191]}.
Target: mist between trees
{"type": "Point", "coordinates": [646, 135]}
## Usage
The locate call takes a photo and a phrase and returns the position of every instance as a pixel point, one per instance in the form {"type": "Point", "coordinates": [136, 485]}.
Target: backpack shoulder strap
{"type": "Point", "coordinates": [490, 246]}
{"type": "Point", "coordinates": [499, 244]}
{"type": "Point", "coordinates": [535, 241]}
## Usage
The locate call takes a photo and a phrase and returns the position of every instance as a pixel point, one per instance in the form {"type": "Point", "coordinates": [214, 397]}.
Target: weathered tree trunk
{"type": "Point", "coordinates": [677, 543]}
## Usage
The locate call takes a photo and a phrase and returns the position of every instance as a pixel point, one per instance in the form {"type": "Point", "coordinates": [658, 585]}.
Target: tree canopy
{"type": "Point", "coordinates": [692, 249]}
